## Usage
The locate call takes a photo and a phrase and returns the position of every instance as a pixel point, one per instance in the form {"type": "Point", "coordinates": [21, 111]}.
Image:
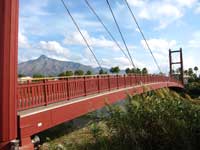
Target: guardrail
{"type": "Point", "coordinates": [42, 92]}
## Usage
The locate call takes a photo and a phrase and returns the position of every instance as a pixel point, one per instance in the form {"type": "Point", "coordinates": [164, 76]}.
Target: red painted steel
{"type": "Point", "coordinates": [45, 92]}
{"type": "Point", "coordinates": [48, 118]}
{"type": "Point", "coordinates": [8, 70]}
{"type": "Point", "coordinates": [18, 97]}
{"type": "Point", "coordinates": [40, 93]}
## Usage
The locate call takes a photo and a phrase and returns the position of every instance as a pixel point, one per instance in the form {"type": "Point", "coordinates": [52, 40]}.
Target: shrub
{"type": "Point", "coordinates": [155, 120]}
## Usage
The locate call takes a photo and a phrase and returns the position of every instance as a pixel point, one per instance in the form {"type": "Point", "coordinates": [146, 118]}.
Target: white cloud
{"type": "Point", "coordinates": [122, 62]}
{"type": "Point", "coordinates": [184, 3]}
{"type": "Point", "coordinates": [23, 41]}
{"type": "Point", "coordinates": [195, 40]}
{"type": "Point", "coordinates": [34, 8]}
{"type": "Point", "coordinates": [197, 9]}
{"type": "Point", "coordinates": [160, 46]}
{"type": "Point", "coordinates": [165, 12]}
{"type": "Point", "coordinates": [137, 3]}
{"type": "Point", "coordinates": [76, 39]}
{"type": "Point", "coordinates": [192, 53]}
{"type": "Point", "coordinates": [190, 62]}
{"type": "Point", "coordinates": [53, 46]}
{"type": "Point", "coordinates": [194, 43]}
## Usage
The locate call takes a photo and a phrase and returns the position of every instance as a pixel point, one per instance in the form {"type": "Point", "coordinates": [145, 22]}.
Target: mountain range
{"type": "Point", "coordinates": [48, 66]}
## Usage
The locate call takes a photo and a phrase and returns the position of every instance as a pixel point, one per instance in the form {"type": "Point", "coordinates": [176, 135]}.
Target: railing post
{"type": "Point", "coordinates": [131, 82]}
{"type": "Point", "coordinates": [98, 79]}
{"type": "Point", "coordinates": [124, 80]}
{"type": "Point", "coordinates": [67, 88]}
{"type": "Point", "coordinates": [45, 89]}
{"type": "Point", "coordinates": [85, 90]}
{"type": "Point", "coordinates": [117, 81]}
{"type": "Point", "coordinates": [109, 82]}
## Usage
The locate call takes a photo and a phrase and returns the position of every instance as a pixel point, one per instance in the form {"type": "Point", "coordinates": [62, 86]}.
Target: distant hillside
{"type": "Point", "coordinates": [48, 66]}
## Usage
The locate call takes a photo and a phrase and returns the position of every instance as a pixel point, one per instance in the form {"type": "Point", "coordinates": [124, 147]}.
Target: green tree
{"type": "Point", "coordinates": [115, 70]}
{"type": "Point", "coordinates": [133, 70]}
{"type": "Point", "coordinates": [186, 72]}
{"type": "Point", "coordinates": [178, 70]}
{"type": "Point", "coordinates": [173, 71]}
{"type": "Point", "coordinates": [62, 74]}
{"type": "Point", "coordinates": [88, 72]}
{"type": "Point", "coordinates": [190, 72]}
{"type": "Point", "coordinates": [138, 71]}
{"type": "Point", "coordinates": [69, 73]}
{"type": "Point", "coordinates": [128, 70]}
{"type": "Point", "coordinates": [101, 71]}
{"type": "Point", "coordinates": [79, 72]}
{"type": "Point", "coordinates": [37, 75]}
{"type": "Point", "coordinates": [196, 69]}
{"type": "Point", "coordinates": [21, 75]}
{"type": "Point", "coordinates": [144, 71]}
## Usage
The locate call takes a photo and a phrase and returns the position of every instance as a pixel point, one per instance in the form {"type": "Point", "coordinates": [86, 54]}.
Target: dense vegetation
{"type": "Point", "coordinates": [136, 71]}
{"type": "Point", "coordinates": [113, 70]}
{"type": "Point", "coordinates": [193, 85]}
{"type": "Point", "coordinates": [160, 120]}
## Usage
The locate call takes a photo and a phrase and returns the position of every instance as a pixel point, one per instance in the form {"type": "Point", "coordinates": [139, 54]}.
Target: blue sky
{"type": "Point", "coordinates": [45, 28]}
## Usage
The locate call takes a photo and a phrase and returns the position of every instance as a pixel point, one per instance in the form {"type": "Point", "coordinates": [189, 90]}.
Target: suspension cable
{"type": "Point", "coordinates": [79, 30]}
{"type": "Point", "coordinates": [120, 33]}
{"type": "Point", "coordinates": [107, 30]}
{"type": "Point", "coordinates": [139, 28]}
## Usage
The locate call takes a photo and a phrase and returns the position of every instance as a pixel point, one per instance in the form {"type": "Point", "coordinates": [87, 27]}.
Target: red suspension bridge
{"type": "Point", "coordinates": [33, 106]}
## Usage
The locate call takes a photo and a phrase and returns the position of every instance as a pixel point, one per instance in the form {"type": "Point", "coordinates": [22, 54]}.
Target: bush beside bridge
{"type": "Point", "coordinates": [159, 120]}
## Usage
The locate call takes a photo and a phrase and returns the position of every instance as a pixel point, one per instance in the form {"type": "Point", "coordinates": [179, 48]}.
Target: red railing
{"type": "Point", "coordinates": [46, 91]}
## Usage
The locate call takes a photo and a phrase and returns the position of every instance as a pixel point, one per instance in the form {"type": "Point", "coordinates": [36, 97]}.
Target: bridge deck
{"type": "Point", "coordinates": [37, 119]}
{"type": "Point", "coordinates": [46, 92]}
{"type": "Point", "coordinates": [47, 103]}
{"type": "Point", "coordinates": [32, 111]}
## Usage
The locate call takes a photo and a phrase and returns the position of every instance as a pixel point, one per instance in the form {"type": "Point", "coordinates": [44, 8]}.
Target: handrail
{"type": "Point", "coordinates": [77, 76]}
{"type": "Point", "coordinates": [45, 91]}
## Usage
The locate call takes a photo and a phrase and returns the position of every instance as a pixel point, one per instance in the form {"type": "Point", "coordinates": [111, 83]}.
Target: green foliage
{"type": "Point", "coordinates": [69, 73]}
{"type": "Point", "coordinates": [144, 71]}
{"type": "Point", "coordinates": [136, 70]}
{"type": "Point", "coordinates": [101, 71]}
{"type": "Point", "coordinates": [38, 75]}
{"type": "Point", "coordinates": [190, 72]}
{"type": "Point", "coordinates": [193, 85]}
{"type": "Point", "coordinates": [21, 75]}
{"type": "Point", "coordinates": [128, 70]}
{"type": "Point", "coordinates": [193, 88]}
{"type": "Point", "coordinates": [95, 131]}
{"type": "Point", "coordinates": [160, 120]}
{"type": "Point", "coordinates": [62, 74]}
{"type": "Point", "coordinates": [115, 70]}
{"type": "Point", "coordinates": [79, 72]}
{"type": "Point", "coordinates": [196, 69]}
{"type": "Point", "coordinates": [88, 72]}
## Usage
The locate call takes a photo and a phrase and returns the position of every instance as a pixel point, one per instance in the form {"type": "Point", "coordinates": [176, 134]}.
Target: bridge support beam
{"type": "Point", "coordinates": [26, 144]}
{"type": "Point", "coordinates": [8, 71]}
{"type": "Point", "coordinates": [180, 63]}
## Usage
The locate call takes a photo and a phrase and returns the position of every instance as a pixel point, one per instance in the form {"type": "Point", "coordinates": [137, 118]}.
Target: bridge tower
{"type": "Point", "coordinates": [180, 63]}
{"type": "Point", "coordinates": [8, 71]}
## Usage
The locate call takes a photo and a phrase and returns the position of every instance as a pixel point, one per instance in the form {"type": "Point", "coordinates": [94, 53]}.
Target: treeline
{"type": "Point", "coordinates": [193, 82]}
{"type": "Point", "coordinates": [79, 72]}
{"type": "Point", "coordinates": [192, 73]}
